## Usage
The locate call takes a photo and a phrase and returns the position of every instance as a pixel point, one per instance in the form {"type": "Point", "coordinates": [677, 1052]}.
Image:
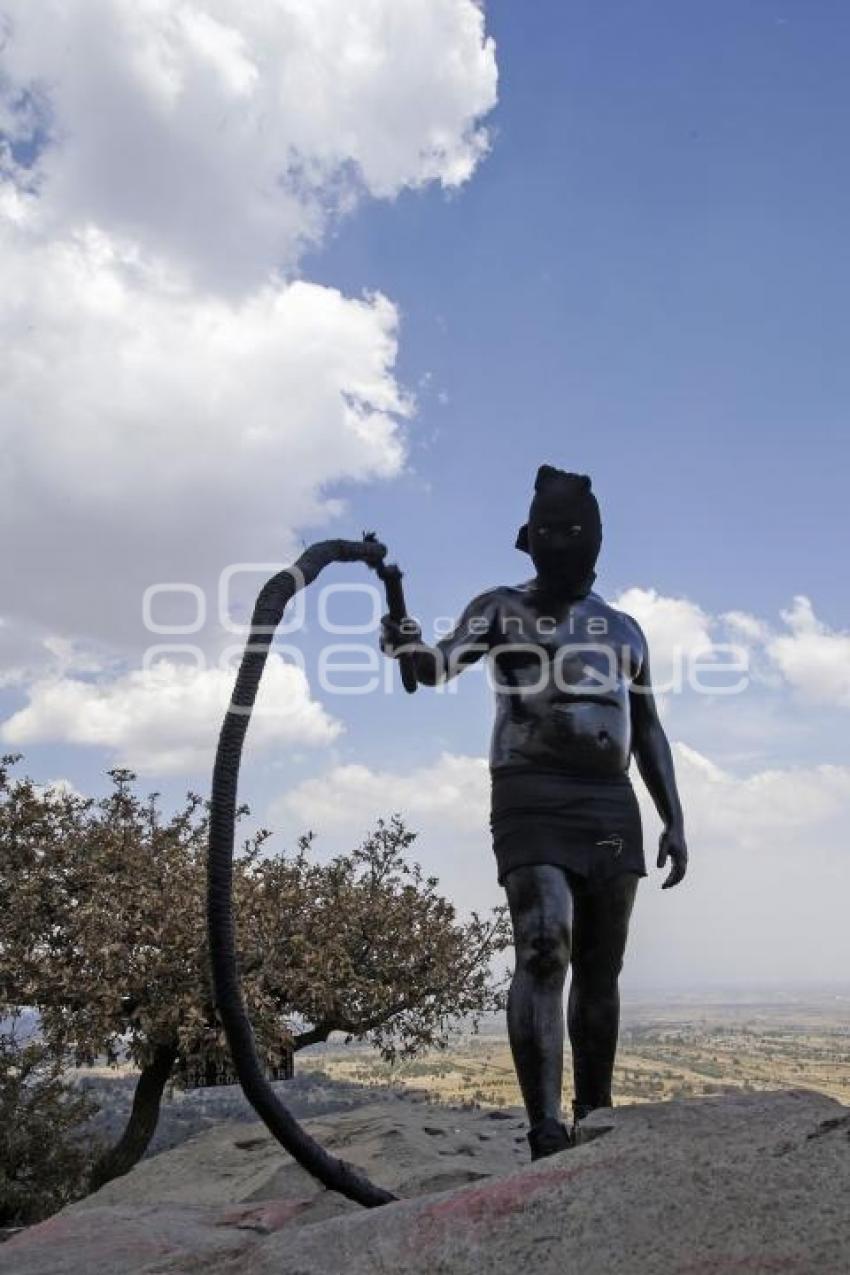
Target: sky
{"type": "Point", "coordinates": [279, 272]}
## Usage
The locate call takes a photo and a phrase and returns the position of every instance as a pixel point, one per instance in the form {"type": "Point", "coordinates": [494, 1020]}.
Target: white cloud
{"type": "Point", "coordinates": [452, 790]}
{"type": "Point", "coordinates": [152, 433]}
{"type": "Point", "coordinates": [750, 627]}
{"type": "Point", "coordinates": [769, 809]}
{"type": "Point", "coordinates": [445, 802]}
{"type": "Point", "coordinates": [765, 895]}
{"type": "Point", "coordinates": [222, 134]}
{"type": "Point", "coordinates": [29, 654]}
{"type": "Point", "coordinates": [813, 659]}
{"type": "Point", "coordinates": [807, 656]}
{"type": "Point", "coordinates": [58, 787]}
{"type": "Point", "coordinates": [173, 399]}
{"type": "Point", "coordinates": [165, 719]}
{"type": "Point", "coordinates": [676, 629]}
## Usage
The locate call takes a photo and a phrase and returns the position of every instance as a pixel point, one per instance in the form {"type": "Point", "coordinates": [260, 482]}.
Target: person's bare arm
{"type": "Point", "coordinates": [468, 641]}
{"type": "Point", "coordinates": [655, 763]}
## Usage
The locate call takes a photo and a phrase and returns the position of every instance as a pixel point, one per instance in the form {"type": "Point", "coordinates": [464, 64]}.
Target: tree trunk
{"type": "Point", "coordinates": [142, 1123]}
{"type": "Point", "coordinates": [316, 1035]}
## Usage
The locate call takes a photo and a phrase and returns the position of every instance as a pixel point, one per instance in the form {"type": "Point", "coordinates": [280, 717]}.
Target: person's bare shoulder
{"type": "Point", "coordinates": [610, 612]}
{"type": "Point", "coordinates": [478, 614]}
{"type": "Point", "coordinates": [499, 594]}
{"type": "Point", "coordinates": [487, 597]}
{"type": "Point", "coordinates": [631, 631]}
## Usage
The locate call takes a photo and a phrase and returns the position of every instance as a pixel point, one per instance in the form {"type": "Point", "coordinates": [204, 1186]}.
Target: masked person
{"type": "Point", "coordinates": [574, 702]}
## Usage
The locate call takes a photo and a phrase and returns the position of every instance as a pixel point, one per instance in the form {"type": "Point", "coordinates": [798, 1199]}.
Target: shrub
{"type": "Point", "coordinates": [43, 1160]}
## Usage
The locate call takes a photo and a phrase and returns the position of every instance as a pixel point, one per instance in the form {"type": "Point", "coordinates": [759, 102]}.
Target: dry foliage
{"type": "Point", "coordinates": [43, 1160]}
{"type": "Point", "coordinates": [103, 931]}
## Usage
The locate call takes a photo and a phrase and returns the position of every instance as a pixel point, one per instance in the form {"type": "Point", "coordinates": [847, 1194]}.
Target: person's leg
{"type": "Point", "coordinates": [540, 904]}
{"type": "Point", "coordinates": [600, 931]}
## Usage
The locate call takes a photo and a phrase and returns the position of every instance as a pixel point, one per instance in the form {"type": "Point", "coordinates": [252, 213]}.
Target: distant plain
{"type": "Point", "coordinates": [684, 1044]}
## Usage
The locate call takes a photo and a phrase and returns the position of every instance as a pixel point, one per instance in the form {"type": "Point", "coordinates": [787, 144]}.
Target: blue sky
{"type": "Point", "coordinates": [647, 281]}
{"type": "Point", "coordinates": [644, 278]}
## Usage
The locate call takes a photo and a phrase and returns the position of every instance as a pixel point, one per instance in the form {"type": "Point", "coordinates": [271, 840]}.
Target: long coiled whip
{"type": "Point", "coordinates": [336, 1174]}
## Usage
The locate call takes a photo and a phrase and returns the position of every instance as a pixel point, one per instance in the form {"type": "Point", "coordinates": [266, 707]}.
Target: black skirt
{"type": "Point", "coordinates": [588, 824]}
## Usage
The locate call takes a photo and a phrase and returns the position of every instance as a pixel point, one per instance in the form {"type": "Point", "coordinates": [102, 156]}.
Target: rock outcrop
{"type": "Point", "coordinates": [712, 1186]}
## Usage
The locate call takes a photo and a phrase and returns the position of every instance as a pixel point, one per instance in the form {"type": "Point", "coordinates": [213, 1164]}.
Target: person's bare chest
{"type": "Point", "coordinates": [579, 644]}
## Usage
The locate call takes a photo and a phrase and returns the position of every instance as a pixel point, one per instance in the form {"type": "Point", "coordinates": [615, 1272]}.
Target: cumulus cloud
{"type": "Point", "coordinates": [765, 896]}
{"type": "Point", "coordinates": [153, 433]}
{"type": "Point", "coordinates": [28, 655]}
{"type": "Point", "coordinates": [750, 627]}
{"type": "Point", "coordinates": [165, 718]}
{"type": "Point", "coordinates": [445, 802]}
{"type": "Point", "coordinates": [768, 809]}
{"type": "Point", "coordinates": [807, 655]}
{"type": "Point", "coordinates": [59, 787]}
{"type": "Point", "coordinates": [452, 790]}
{"type": "Point", "coordinates": [223, 135]}
{"type": "Point", "coordinates": [676, 629]}
{"type": "Point", "coordinates": [813, 659]}
{"type": "Point", "coordinates": [173, 397]}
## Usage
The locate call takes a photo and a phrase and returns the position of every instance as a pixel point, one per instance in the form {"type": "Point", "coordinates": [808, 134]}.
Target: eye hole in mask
{"type": "Point", "coordinates": [545, 530]}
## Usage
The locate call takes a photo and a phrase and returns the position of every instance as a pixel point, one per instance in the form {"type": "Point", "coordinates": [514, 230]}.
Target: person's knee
{"type": "Point", "coordinates": [543, 951]}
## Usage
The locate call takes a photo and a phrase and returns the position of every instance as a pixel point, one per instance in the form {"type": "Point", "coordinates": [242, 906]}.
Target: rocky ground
{"type": "Point", "coordinates": [185, 1114]}
{"type": "Point", "coordinates": [711, 1186]}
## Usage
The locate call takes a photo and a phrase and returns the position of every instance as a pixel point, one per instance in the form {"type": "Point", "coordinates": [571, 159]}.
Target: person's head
{"type": "Point", "coordinates": [563, 534]}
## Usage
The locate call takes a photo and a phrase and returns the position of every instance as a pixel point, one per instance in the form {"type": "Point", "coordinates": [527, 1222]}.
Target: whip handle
{"type": "Point", "coordinates": [397, 612]}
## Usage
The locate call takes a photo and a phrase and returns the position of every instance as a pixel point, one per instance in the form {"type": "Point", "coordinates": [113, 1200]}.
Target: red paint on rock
{"type": "Point", "coordinates": [121, 1238]}
{"type": "Point", "coordinates": [54, 1230]}
{"type": "Point", "coordinates": [497, 1199]}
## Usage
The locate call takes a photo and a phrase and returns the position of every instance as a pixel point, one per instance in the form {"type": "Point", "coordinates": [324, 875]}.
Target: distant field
{"type": "Point", "coordinates": [665, 1051]}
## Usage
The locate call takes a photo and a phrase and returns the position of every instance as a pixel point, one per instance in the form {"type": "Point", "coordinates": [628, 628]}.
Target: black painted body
{"type": "Point", "coordinates": [561, 670]}
{"type": "Point", "coordinates": [573, 693]}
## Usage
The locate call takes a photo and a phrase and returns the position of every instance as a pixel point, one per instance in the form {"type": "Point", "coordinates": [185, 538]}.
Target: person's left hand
{"type": "Point", "coordinates": [397, 635]}
{"type": "Point", "coordinates": [672, 846]}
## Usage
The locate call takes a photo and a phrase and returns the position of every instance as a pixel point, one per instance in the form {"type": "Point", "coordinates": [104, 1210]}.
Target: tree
{"type": "Point", "coordinates": [42, 1157]}
{"type": "Point", "coordinates": [102, 930]}
{"type": "Point", "coordinates": [366, 946]}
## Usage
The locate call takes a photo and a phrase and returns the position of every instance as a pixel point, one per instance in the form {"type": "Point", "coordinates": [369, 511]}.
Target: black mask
{"type": "Point", "coordinates": [563, 534]}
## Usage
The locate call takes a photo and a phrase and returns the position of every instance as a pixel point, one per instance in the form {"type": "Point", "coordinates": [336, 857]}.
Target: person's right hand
{"type": "Point", "coordinates": [397, 634]}
{"type": "Point", "coordinates": [672, 846]}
